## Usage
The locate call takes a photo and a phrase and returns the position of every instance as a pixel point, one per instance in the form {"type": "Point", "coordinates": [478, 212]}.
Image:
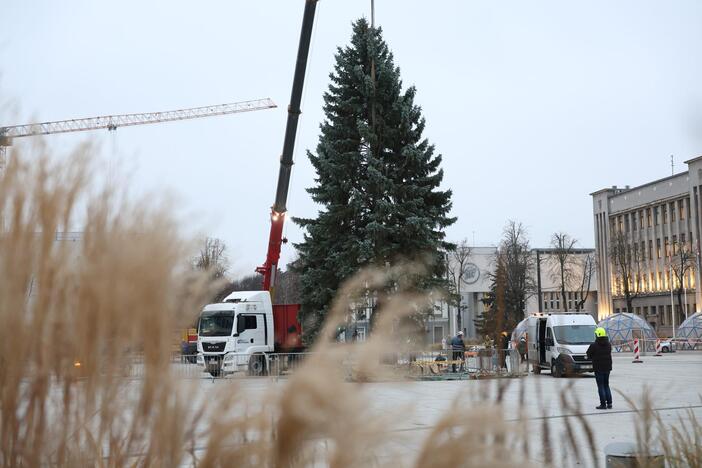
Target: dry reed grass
{"type": "Point", "coordinates": [127, 288]}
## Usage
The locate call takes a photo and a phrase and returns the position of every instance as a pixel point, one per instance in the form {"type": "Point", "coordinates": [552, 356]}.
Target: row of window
{"type": "Point", "coordinates": [552, 300]}
{"type": "Point", "coordinates": [655, 282]}
{"type": "Point", "coordinates": [653, 216]}
{"type": "Point", "coordinates": [641, 251]}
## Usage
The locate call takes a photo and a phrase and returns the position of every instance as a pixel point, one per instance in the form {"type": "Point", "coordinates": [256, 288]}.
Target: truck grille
{"type": "Point", "coordinates": [213, 347]}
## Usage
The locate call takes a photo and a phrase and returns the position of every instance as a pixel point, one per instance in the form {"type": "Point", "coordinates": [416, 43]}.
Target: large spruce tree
{"type": "Point", "coordinates": [377, 179]}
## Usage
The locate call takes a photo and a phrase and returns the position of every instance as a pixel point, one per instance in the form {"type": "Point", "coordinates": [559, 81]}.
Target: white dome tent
{"type": "Point", "coordinates": [689, 333]}
{"type": "Point", "coordinates": [519, 331]}
{"type": "Point", "coordinates": [623, 328]}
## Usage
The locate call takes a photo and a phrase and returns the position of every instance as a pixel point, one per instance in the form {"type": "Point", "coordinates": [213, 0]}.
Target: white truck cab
{"type": "Point", "coordinates": [236, 334]}
{"type": "Point", "coordinates": [559, 342]}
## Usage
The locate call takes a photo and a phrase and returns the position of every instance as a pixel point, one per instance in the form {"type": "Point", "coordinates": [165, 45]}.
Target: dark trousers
{"type": "Point", "coordinates": [457, 356]}
{"type": "Point", "coordinates": [602, 379]}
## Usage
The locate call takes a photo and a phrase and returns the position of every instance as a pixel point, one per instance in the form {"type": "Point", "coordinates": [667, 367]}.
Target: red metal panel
{"type": "Point", "coordinates": [287, 327]}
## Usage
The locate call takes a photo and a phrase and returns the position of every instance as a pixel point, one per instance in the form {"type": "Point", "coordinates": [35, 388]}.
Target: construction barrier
{"type": "Point", "coordinates": [637, 354]}
{"type": "Point", "coordinates": [658, 348]}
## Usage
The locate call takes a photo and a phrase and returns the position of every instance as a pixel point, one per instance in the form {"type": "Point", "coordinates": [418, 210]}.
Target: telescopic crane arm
{"type": "Point", "coordinates": [279, 209]}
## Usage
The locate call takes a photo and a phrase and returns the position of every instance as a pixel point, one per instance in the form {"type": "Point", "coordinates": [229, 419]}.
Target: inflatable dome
{"type": "Point", "coordinates": [519, 331]}
{"type": "Point", "coordinates": [622, 328]}
{"type": "Point", "coordinates": [690, 332]}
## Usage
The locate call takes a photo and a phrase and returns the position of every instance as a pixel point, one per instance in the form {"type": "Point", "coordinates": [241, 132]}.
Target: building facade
{"type": "Point", "coordinates": [546, 298]}
{"type": "Point", "coordinates": [659, 225]}
{"type": "Point", "coordinates": [475, 287]}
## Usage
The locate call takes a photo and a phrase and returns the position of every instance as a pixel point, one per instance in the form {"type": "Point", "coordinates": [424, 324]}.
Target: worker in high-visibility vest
{"type": "Point", "coordinates": [600, 353]}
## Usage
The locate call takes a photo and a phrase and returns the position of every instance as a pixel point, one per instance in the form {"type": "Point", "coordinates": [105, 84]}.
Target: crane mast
{"type": "Point", "coordinates": [279, 209]}
{"type": "Point", "coordinates": [112, 122]}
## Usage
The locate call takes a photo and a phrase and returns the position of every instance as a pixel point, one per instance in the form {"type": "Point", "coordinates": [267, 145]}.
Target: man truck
{"type": "Point", "coordinates": [558, 342]}
{"type": "Point", "coordinates": [245, 332]}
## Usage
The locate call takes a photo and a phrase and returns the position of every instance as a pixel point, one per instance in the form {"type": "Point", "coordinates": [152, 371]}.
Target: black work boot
{"type": "Point", "coordinates": [609, 405]}
{"type": "Point", "coordinates": [602, 406]}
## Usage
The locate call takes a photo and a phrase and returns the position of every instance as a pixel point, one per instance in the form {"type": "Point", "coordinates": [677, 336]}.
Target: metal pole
{"type": "Point", "coordinates": [672, 303]}
{"type": "Point", "coordinates": [539, 294]}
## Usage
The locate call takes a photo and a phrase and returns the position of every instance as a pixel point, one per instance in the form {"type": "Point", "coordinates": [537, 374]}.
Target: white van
{"type": "Point", "coordinates": [559, 341]}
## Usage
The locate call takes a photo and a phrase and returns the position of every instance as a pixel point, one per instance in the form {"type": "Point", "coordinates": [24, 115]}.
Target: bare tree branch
{"type": "Point", "coordinates": [457, 263]}
{"type": "Point", "coordinates": [212, 258]}
{"type": "Point", "coordinates": [627, 264]}
{"type": "Point", "coordinates": [565, 259]}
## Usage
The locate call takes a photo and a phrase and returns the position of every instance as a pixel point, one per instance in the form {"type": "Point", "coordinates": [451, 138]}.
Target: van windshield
{"type": "Point", "coordinates": [574, 334]}
{"type": "Point", "coordinates": [216, 323]}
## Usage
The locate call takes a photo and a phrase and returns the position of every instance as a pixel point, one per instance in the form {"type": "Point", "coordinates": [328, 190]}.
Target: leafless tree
{"type": "Point", "coordinates": [514, 254]}
{"type": "Point", "coordinates": [682, 261]}
{"type": "Point", "coordinates": [457, 271]}
{"type": "Point", "coordinates": [587, 267]}
{"type": "Point", "coordinates": [627, 263]}
{"type": "Point", "coordinates": [213, 258]}
{"type": "Point", "coordinates": [564, 256]}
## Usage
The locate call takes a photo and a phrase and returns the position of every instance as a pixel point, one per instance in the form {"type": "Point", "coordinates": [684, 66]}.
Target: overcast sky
{"type": "Point", "coordinates": [533, 105]}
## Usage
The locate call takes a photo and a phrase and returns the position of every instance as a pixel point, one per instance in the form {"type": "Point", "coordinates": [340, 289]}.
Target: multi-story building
{"type": "Point", "coordinates": [660, 224]}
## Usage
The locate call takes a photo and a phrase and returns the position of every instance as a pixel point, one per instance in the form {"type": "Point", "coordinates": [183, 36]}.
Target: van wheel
{"type": "Point", "coordinates": [665, 349]}
{"type": "Point", "coordinates": [257, 365]}
{"type": "Point", "coordinates": [555, 370]}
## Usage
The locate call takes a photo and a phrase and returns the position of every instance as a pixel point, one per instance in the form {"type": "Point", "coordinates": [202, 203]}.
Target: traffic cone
{"type": "Point", "coordinates": [637, 355]}
{"type": "Point", "coordinates": [658, 348]}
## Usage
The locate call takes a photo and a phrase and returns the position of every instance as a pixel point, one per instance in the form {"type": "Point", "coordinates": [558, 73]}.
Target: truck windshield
{"type": "Point", "coordinates": [574, 334]}
{"type": "Point", "coordinates": [216, 323]}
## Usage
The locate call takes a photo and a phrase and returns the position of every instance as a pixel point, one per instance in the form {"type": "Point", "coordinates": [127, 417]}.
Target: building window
{"type": "Point", "coordinates": [641, 219]}
{"type": "Point", "coordinates": [672, 212]}
{"type": "Point", "coordinates": [650, 249]}
{"type": "Point", "coordinates": [634, 224]}
{"type": "Point", "coordinates": [626, 223]}
{"type": "Point", "coordinates": [620, 221]}
{"type": "Point", "coordinates": [658, 248]}
{"type": "Point", "coordinates": [648, 217]}
{"type": "Point", "coordinates": [681, 209]}
{"type": "Point", "coordinates": [682, 240]}
{"type": "Point", "coordinates": [675, 244]}
{"type": "Point", "coordinates": [664, 208]}
{"type": "Point", "coordinates": [666, 246]}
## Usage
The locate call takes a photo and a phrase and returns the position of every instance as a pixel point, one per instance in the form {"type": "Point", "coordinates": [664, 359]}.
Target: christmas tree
{"type": "Point", "coordinates": [377, 179]}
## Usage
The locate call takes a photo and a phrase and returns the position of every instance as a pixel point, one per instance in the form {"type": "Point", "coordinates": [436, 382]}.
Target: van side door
{"type": "Point", "coordinates": [549, 341]}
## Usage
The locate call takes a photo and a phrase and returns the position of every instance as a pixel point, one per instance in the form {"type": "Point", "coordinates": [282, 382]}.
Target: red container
{"type": "Point", "coordinates": [287, 329]}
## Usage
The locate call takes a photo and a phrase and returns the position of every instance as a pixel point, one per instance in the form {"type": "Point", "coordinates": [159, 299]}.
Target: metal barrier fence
{"type": "Point", "coordinates": [416, 364]}
{"type": "Point", "coordinates": [648, 345]}
{"type": "Point", "coordinates": [483, 362]}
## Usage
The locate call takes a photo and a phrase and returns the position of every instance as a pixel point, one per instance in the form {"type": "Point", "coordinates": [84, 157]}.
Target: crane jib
{"type": "Point", "coordinates": [286, 159]}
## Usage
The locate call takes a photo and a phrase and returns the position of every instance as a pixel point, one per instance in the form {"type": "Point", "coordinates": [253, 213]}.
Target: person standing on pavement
{"type": "Point", "coordinates": [600, 353]}
{"type": "Point", "coordinates": [522, 348]}
{"type": "Point", "coordinates": [504, 349]}
{"type": "Point", "coordinates": [458, 347]}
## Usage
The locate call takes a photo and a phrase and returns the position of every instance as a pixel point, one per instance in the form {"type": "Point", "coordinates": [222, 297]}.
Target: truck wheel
{"type": "Point", "coordinates": [555, 370]}
{"type": "Point", "coordinates": [257, 365]}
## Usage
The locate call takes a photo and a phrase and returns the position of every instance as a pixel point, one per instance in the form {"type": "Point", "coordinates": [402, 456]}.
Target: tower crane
{"type": "Point", "coordinates": [112, 122]}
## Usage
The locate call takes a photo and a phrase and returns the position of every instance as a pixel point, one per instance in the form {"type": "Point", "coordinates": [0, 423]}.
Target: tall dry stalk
{"type": "Point", "coordinates": [74, 315]}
